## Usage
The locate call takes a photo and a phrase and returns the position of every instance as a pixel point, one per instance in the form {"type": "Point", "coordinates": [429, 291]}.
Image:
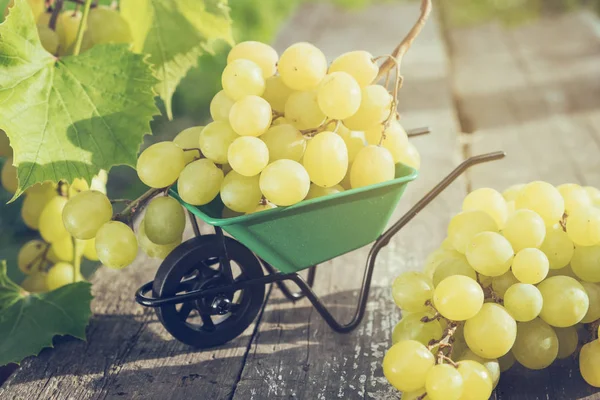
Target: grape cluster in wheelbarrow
{"type": "Point", "coordinates": [517, 280]}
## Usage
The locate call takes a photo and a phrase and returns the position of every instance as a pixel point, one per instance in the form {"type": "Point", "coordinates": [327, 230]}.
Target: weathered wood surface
{"type": "Point", "coordinates": [533, 91]}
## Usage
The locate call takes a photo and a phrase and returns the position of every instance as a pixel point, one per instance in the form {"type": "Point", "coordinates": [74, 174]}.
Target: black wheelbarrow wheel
{"type": "Point", "coordinates": [217, 318]}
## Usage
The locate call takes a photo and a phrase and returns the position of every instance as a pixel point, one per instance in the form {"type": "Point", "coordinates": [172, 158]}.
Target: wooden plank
{"type": "Point", "coordinates": [534, 92]}
{"type": "Point", "coordinates": [295, 354]}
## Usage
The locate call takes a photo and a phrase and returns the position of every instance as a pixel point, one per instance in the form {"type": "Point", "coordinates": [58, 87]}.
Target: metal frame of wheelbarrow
{"type": "Point", "coordinates": [306, 286]}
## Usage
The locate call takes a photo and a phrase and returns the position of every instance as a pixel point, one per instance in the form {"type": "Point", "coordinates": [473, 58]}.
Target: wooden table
{"type": "Point", "coordinates": [533, 92]}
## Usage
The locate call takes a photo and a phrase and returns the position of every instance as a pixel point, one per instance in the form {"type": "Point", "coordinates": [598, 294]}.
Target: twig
{"type": "Point", "coordinates": [418, 131]}
{"type": "Point", "coordinates": [132, 208]}
{"type": "Point", "coordinates": [435, 317]}
{"type": "Point", "coordinates": [403, 47]}
{"type": "Point", "coordinates": [82, 27]}
{"type": "Point", "coordinates": [57, 9]}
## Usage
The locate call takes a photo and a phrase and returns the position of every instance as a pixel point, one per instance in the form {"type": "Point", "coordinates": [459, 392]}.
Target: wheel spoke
{"type": "Point", "coordinates": [207, 322]}
{"type": "Point", "coordinates": [186, 309]}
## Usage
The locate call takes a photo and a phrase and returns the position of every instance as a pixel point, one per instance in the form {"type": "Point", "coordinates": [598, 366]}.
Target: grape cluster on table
{"type": "Point", "coordinates": [516, 280]}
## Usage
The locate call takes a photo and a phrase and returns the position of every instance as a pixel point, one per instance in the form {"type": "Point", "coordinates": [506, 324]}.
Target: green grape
{"type": "Point", "coordinates": [359, 64]}
{"type": "Point", "coordinates": [444, 382]}
{"type": "Point", "coordinates": [394, 139]}
{"type": "Point", "coordinates": [544, 199]}
{"type": "Point", "coordinates": [372, 165]}
{"type": "Point", "coordinates": [506, 361]}
{"type": "Point", "coordinates": [51, 222]}
{"type": "Point", "coordinates": [62, 249]}
{"type": "Point", "coordinates": [116, 245]}
{"type": "Point", "coordinates": [410, 157]}
{"type": "Point", "coordinates": [326, 159]}
{"type": "Point", "coordinates": [411, 327]}
{"type": "Point", "coordinates": [465, 225]}
{"type": "Point", "coordinates": [164, 221]}
{"type": "Point", "coordinates": [458, 297]}
{"type": "Point", "coordinates": [241, 193]}
{"type": "Point", "coordinates": [530, 266]}
{"type": "Point", "coordinates": [585, 263]}
{"type": "Point", "coordinates": [262, 54]}
{"type": "Point", "coordinates": [89, 250]}
{"type": "Point", "coordinates": [284, 182]}
{"type": "Point", "coordinates": [35, 283]}
{"type": "Point", "coordinates": [490, 254]}
{"type": "Point", "coordinates": [151, 249]}
{"type": "Point", "coordinates": [492, 332]}
{"type": "Point", "coordinates": [500, 284]}
{"type": "Point", "coordinates": [215, 140]}
{"type": "Point", "coordinates": [451, 267]}
{"type": "Point", "coordinates": [85, 213]}
{"type": "Point", "coordinates": [49, 38]}
{"type": "Point", "coordinates": [593, 292]}
{"type": "Point", "coordinates": [248, 155]}
{"type": "Point", "coordinates": [302, 110]}
{"type": "Point", "coordinates": [318, 191]}
{"type": "Point", "coordinates": [220, 106]}
{"type": "Point", "coordinates": [276, 93]}
{"type": "Point", "coordinates": [189, 139]}
{"type": "Point", "coordinates": [241, 78]}
{"type": "Point", "coordinates": [435, 258]}
{"type": "Point", "coordinates": [159, 165]}
{"type": "Point", "coordinates": [524, 228]}
{"type": "Point", "coordinates": [355, 141]}
{"type": "Point", "coordinates": [31, 257]}
{"type": "Point", "coordinates": [67, 26]}
{"type": "Point", "coordinates": [5, 149]}
{"type": "Point", "coordinates": [263, 207]}
{"type": "Point", "coordinates": [489, 201]}
{"type": "Point", "coordinates": [491, 365]}
{"type": "Point", "coordinates": [338, 95]}
{"type": "Point", "coordinates": [588, 363]}
{"type": "Point", "coordinates": [536, 346]}
{"type": "Point", "coordinates": [284, 142]}
{"type": "Point", "coordinates": [565, 301]}
{"type": "Point", "coordinates": [302, 66]}
{"type": "Point", "coordinates": [523, 301]}
{"type": "Point", "coordinates": [558, 247]}
{"type": "Point", "coordinates": [512, 193]}
{"type": "Point", "coordinates": [593, 193]}
{"type": "Point", "coordinates": [477, 381]}
{"type": "Point", "coordinates": [375, 107]}
{"type": "Point", "coordinates": [406, 365]}
{"type": "Point", "coordinates": [61, 274]}
{"type": "Point", "coordinates": [37, 6]}
{"type": "Point", "coordinates": [583, 226]}
{"type": "Point", "coordinates": [9, 178]}
{"type": "Point", "coordinates": [106, 25]}
{"type": "Point", "coordinates": [34, 203]}
{"type": "Point", "coordinates": [411, 290]}
{"type": "Point", "coordinates": [575, 197]}
{"type": "Point", "coordinates": [250, 116]}
{"type": "Point", "coordinates": [568, 340]}
{"type": "Point", "coordinates": [200, 182]}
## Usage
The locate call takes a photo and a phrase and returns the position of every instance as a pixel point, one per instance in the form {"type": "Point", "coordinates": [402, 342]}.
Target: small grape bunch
{"type": "Point", "coordinates": [516, 279]}
{"type": "Point", "coordinates": [285, 129]}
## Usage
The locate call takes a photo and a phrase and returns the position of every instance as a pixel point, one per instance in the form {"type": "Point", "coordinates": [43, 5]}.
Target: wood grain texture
{"type": "Point", "coordinates": [533, 91]}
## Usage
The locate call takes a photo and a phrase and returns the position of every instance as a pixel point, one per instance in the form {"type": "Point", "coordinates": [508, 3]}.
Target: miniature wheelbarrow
{"type": "Point", "coordinates": [211, 287]}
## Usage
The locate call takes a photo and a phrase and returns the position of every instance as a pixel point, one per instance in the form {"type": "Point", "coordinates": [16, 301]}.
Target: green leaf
{"type": "Point", "coordinates": [68, 118]}
{"type": "Point", "coordinates": [29, 323]}
{"type": "Point", "coordinates": [10, 292]}
{"type": "Point", "coordinates": [175, 33]}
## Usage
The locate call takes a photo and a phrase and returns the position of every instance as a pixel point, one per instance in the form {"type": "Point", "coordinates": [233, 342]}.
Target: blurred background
{"type": "Point", "coordinates": [261, 20]}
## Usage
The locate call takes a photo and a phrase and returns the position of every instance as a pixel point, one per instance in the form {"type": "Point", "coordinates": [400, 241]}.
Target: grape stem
{"type": "Point", "coordinates": [58, 5]}
{"type": "Point", "coordinates": [42, 257]}
{"type": "Point", "coordinates": [195, 149]}
{"type": "Point", "coordinates": [405, 44]}
{"type": "Point", "coordinates": [422, 397]}
{"type": "Point", "coordinates": [82, 27]}
{"type": "Point", "coordinates": [126, 201]}
{"type": "Point", "coordinates": [313, 131]}
{"type": "Point", "coordinates": [135, 205]}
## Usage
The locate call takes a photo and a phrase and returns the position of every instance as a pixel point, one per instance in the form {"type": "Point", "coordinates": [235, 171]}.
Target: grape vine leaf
{"type": "Point", "coordinates": [174, 33]}
{"type": "Point", "coordinates": [28, 323]}
{"type": "Point", "coordinates": [68, 118]}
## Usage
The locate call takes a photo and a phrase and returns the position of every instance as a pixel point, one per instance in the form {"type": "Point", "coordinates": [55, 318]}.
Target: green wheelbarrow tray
{"type": "Point", "coordinates": [297, 237]}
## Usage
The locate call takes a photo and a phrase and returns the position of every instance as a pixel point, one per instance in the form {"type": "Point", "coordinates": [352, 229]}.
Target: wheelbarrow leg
{"type": "Point", "coordinates": [293, 296]}
{"type": "Point", "coordinates": [194, 222]}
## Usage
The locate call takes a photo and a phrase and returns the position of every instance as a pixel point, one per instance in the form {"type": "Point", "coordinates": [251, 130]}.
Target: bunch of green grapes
{"type": "Point", "coordinates": [515, 280]}
{"type": "Point", "coordinates": [49, 260]}
{"type": "Point", "coordinates": [285, 129]}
